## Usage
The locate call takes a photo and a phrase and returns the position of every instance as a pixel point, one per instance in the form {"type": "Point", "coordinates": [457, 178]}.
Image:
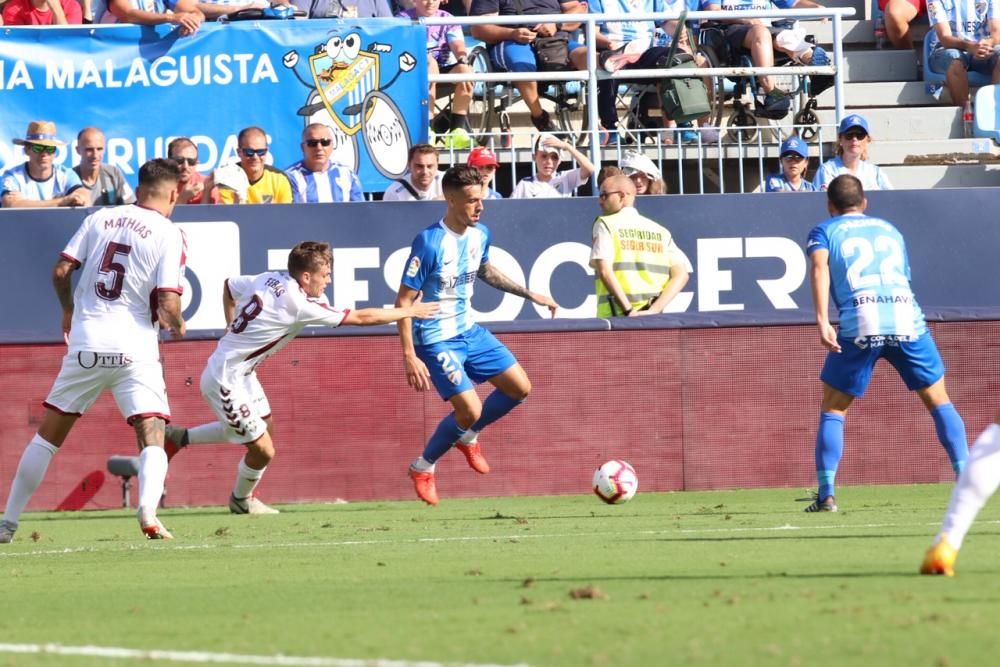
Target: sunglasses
{"type": "Point", "coordinates": [190, 161]}
{"type": "Point", "coordinates": [39, 149]}
{"type": "Point", "coordinates": [605, 195]}
{"type": "Point", "coordinates": [313, 143]}
{"type": "Point", "coordinates": [792, 157]}
{"type": "Point", "coordinates": [860, 136]}
{"type": "Point", "coordinates": [250, 152]}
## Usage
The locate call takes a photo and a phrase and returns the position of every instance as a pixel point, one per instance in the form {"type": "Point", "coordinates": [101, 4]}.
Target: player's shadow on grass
{"type": "Point", "coordinates": [601, 578]}
{"type": "Point", "coordinates": [790, 535]}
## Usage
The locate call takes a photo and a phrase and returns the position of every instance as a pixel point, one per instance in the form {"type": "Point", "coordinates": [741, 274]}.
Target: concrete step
{"type": "Point", "coordinates": [941, 151]}
{"type": "Point", "coordinates": [856, 31]}
{"type": "Point", "coordinates": [943, 176]}
{"type": "Point", "coordinates": [860, 6]}
{"type": "Point", "coordinates": [860, 96]}
{"type": "Point", "coordinates": [896, 124]}
{"type": "Point", "coordinates": [886, 65]}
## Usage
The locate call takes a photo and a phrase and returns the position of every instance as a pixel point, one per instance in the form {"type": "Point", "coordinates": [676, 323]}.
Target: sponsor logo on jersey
{"type": "Point", "coordinates": [413, 267]}
{"type": "Point", "coordinates": [103, 359]}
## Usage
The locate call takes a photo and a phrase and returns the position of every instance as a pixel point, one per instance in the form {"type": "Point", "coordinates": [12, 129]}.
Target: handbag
{"type": "Point", "coordinates": [551, 53]}
{"type": "Point", "coordinates": [684, 99]}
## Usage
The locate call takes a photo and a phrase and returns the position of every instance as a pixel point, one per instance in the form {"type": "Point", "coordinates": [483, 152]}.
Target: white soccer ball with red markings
{"type": "Point", "coordinates": [615, 482]}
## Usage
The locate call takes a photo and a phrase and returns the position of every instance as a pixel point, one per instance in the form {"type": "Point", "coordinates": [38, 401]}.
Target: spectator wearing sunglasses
{"type": "Point", "coordinates": [316, 178]}
{"type": "Point", "coordinates": [267, 184]}
{"type": "Point", "coordinates": [191, 187]}
{"type": "Point", "coordinates": [853, 138]}
{"type": "Point", "coordinates": [105, 183]}
{"type": "Point", "coordinates": [794, 161]}
{"type": "Point", "coordinates": [39, 182]}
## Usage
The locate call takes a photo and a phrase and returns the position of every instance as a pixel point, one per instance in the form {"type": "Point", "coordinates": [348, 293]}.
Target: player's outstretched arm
{"type": "Point", "coordinates": [62, 281]}
{"type": "Point", "coordinates": [417, 375]}
{"type": "Point", "coordinates": [372, 316]}
{"type": "Point", "coordinates": [820, 283]}
{"type": "Point", "coordinates": [170, 314]}
{"type": "Point", "coordinates": [494, 277]}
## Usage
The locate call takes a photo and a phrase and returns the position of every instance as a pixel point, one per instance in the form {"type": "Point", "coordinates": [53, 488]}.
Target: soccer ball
{"type": "Point", "coordinates": [615, 482]}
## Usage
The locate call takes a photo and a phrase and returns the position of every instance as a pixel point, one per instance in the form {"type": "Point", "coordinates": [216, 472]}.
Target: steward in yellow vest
{"type": "Point", "coordinates": [639, 269]}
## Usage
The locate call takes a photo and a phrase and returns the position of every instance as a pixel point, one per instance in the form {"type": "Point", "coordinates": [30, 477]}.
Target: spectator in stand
{"type": "Point", "coordinates": [42, 12]}
{"type": "Point", "coordinates": [510, 45]}
{"type": "Point", "coordinates": [853, 138]}
{"type": "Point", "coordinates": [794, 160]}
{"type": "Point", "coordinates": [966, 37]}
{"type": "Point", "coordinates": [757, 37]}
{"type": "Point", "coordinates": [182, 13]}
{"type": "Point", "coordinates": [105, 184]}
{"type": "Point", "coordinates": [267, 185]}
{"type": "Point", "coordinates": [39, 182]}
{"type": "Point", "coordinates": [899, 14]}
{"type": "Point", "coordinates": [345, 9]}
{"type": "Point", "coordinates": [315, 179]}
{"type": "Point", "coordinates": [446, 54]}
{"type": "Point", "coordinates": [213, 9]}
{"type": "Point", "coordinates": [548, 181]}
{"type": "Point", "coordinates": [485, 160]}
{"type": "Point", "coordinates": [191, 186]}
{"type": "Point", "coordinates": [645, 176]}
{"type": "Point", "coordinates": [422, 180]}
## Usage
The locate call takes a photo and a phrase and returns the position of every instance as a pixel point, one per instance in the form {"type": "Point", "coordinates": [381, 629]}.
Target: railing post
{"type": "Point", "coordinates": [592, 116]}
{"type": "Point", "coordinates": [838, 78]}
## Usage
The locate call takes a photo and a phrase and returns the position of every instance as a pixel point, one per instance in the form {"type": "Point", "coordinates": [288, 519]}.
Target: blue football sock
{"type": "Point", "coordinates": [496, 406]}
{"type": "Point", "coordinates": [445, 435]}
{"type": "Point", "coordinates": [951, 432]}
{"type": "Point", "coordinates": [829, 449]}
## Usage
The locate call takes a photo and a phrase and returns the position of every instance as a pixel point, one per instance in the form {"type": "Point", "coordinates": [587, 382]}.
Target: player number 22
{"type": "Point", "coordinates": [886, 250]}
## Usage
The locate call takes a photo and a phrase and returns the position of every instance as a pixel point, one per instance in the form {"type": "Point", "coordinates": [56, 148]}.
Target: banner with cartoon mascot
{"type": "Point", "coordinates": [143, 86]}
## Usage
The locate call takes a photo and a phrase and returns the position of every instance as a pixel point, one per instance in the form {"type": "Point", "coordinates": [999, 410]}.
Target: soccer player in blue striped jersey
{"type": "Point", "coordinates": [315, 179]}
{"type": "Point", "coordinates": [862, 261]}
{"type": "Point", "coordinates": [452, 352]}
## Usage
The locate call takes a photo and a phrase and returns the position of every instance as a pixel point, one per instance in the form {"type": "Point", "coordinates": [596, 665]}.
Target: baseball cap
{"type": "Point", "coordinates": [854, 120]}
{"type": "Point", "coordinates": [543, 145]}
{"type": "Point", "coordinates": [794, 144]}
{"type": "Point", "coordinates": [482, 156]}
{"type": "Point", "coordinates": [634, 161]}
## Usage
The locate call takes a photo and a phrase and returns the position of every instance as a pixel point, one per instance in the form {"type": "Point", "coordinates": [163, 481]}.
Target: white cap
{"type": "Point", "coordinates": [543, 145]}
{"type": "Point", "coordinates": [634, 161]}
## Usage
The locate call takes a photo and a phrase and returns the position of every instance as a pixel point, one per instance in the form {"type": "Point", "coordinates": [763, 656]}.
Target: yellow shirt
{"type": "Point", "coordinates": [272, 188]}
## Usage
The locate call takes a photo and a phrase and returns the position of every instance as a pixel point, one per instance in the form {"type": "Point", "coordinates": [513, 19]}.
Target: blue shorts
{"type": "Point", "coordinates": [471, 357]}
{"type": "Point", "coordinates": [918, 362]}
{"type": "Point", "coordinates": [516, 57]}
{"type": "Point", "coordinates": [940, 59]}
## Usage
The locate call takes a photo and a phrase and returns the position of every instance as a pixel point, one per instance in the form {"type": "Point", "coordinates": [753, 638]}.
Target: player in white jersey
{"type": "Point", "coordinates": [263, 314]}
{"type": "Point", "coordinates": [132, 257]}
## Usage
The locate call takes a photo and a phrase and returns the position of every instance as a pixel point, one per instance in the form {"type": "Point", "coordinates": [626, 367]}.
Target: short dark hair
{"type": "Point", "coordinates": [253, 129]}
{"type": "Point", "coordinates": [179, 143]}
{"type": "Point", "coordinates": [309, 256]}
{"type": "Point", "coordinates": [459, 177]}
{"type": "Point", "coordinates": [420, 149]}
{"type": "Point", "coordinates": [159, 171]}
{"type": "Point", "coordinates": [845, 192]}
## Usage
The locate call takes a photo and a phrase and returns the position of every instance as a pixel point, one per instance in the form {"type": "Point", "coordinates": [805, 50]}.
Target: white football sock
{"type": "Point", "coordinates": [152, 477]}
{"type": "Point", "coordinates": [247, 480]}
{"type": "Point", "coordinates": [978, 481]}
{"type": "Point", "coordinates": [422, 465]}
{"type": "Point", "coordinates": [207, 434]}
{"type": "Point", "coordinates": [468, 437]}
{"type": "Point", "coordinates": [30, 472]}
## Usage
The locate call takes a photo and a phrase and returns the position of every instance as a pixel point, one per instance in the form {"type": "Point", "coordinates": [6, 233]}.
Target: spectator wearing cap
{"type": "Point", "coordinates": [966, 36]}
{"type": "Point", "coordinates": [315, 178]}
{"type": "Point", "coordinates": [853, 138]}
{"type": "Point", "coordinates": [485, 161]}
{"type": "Point", "coordinates": [422, 180]}
{"type": "Point", "coordinates": [182, 13]}
{"type": "Point", "coordinates": [42, 12]}
{"type": "Point", "coordinates": [794, 160]}
{"type": "Point", "coordinates": [644, 174]}
{"type": "Point", "coordinates": [191, 186]}
{"type": "Point", "coordinates": [39, 182]}
{"type": "Point", "coordinates": [105, 183]}
{"type": "Point", "coordinates": [548, 181]}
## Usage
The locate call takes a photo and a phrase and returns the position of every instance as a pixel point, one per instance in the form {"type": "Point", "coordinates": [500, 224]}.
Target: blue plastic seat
{"type": "Point", "coordinates": [987, 122]}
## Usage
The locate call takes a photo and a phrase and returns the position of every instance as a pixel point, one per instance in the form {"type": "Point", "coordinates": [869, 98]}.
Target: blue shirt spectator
{"type": "Point", "coordinates": [40, 182]}
{"type": "Point", "coordinates": [316, 178]}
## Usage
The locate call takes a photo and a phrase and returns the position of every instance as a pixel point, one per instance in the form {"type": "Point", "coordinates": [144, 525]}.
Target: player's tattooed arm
{"type": "Point", "coordinates": [62, 281]}
{"type": "Point", "coordinates": [493, 277]}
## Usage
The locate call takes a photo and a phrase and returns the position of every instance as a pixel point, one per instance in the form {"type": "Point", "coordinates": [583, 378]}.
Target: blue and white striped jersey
{"type": "Point", "coordinates": [968, 19]}
{"type": "Point", "coordinates": [869, 277]}
{"type": "Point", "coordinates": [62, 182]}
{"type": "Point", "coordinates": [337, 183]}
{"type": "Point", "coordinates": [444, 265]}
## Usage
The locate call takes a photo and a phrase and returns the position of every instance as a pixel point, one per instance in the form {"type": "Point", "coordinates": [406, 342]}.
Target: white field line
{"type": "Point", "coordinates": [166, 546]}
{"type": "Point", "coordinates": [207, 657]}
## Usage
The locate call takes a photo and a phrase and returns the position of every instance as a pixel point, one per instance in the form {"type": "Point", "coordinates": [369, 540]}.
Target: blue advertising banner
{"type": "Point", "coordinates": [143, 86]}
{"type": "Point", "coordinates": [747, 251]}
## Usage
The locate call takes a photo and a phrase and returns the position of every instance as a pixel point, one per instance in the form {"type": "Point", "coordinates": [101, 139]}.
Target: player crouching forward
{"type": "Point", "coordinates": [450, 350]}
{"type": "Point", "coordinates": [263, 313]}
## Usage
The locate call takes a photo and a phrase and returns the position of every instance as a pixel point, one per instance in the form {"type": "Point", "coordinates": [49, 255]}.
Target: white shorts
{"type": "Point", "coordinates": [137, 386]}
{"type": "Point", "coordinates": [239, 404]}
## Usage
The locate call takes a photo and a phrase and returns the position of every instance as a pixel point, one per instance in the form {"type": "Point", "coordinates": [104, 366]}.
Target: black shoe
{"type": "Point", "coordinates": [544, 123]}
{"type": "Point", "coordinates": [774, 106]}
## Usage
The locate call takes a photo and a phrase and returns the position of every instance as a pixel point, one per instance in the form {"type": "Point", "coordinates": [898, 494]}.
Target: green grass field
{"type": "Point", "coordinates": [720, 578]}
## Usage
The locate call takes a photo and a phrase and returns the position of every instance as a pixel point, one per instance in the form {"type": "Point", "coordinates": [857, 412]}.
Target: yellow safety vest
{"type": "Point", "coordinates": [641, 262]}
